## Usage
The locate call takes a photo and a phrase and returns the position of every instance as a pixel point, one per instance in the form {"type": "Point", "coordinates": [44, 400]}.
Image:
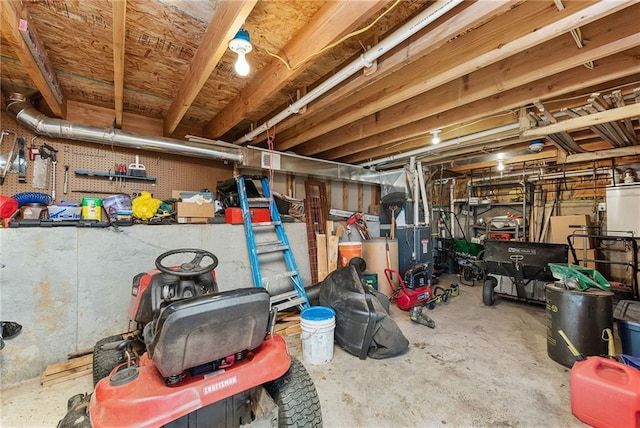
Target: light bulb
{"type": "Point", "coordinates": [435, 139]}
{"type": "Point", "coordinates": [242, 66]}
{"type": "Point", "coordinates": [500, 166]}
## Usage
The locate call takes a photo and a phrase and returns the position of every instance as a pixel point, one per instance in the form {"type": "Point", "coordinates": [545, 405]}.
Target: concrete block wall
{"type": "Point", "coordinates": [69, 287]}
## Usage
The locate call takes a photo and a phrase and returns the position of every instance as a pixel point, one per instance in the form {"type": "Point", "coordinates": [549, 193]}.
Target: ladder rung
{"type": "Point", "coordinates": [260, 201]}
{"type": "Point", "coordinates": [289, 274]}
{"type": "Point", "coordinates": [284, 296]}
{"type": "Point", "coordinates": [266, 223]}
{"type": "Point", "coordinates": [285, 304]}
{"type": "Point", "coordinates": [270, 247]}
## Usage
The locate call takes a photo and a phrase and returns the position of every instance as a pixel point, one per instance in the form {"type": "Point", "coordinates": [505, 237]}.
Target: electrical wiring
{"type": "Point", "coordinates": [332, 45]}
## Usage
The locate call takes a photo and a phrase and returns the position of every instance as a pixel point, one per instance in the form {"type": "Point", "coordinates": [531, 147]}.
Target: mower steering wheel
{"type": "Point", "coordinates": [189, 269]}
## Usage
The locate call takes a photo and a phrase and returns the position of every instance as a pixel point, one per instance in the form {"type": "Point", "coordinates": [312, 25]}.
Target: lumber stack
{"type": "Point", "coordinates": [287, 324]}
{"type": "Point", "coordinates": [71, 369]}
{"type": "Point", "coordinates": [327, 250]}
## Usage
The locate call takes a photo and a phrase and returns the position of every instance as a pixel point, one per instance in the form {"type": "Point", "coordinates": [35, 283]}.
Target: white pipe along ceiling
{"type": "Point", "coordinates": [365, 60]}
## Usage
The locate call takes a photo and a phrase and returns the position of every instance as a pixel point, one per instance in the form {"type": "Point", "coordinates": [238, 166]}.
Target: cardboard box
{"type": "Point", "coordinates": [591, 255]}
{"type": "Point", "coordinates": [184, 194]}
{"type": "Point", "coordinates": [561, 228]}
{"type": "Point", "coordinates": [185, 209]}
{"type": "Point", "coordinates": [192, 220]}
{"type": "Point", "coordinates": [258, 215]}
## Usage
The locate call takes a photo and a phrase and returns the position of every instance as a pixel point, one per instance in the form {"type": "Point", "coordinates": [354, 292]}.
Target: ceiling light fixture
{"type": "Point", "coordinates": [435, 139]}
{"type": "Point", "coordinates": [500, 166]}
{"type": "Point", "coordinates": [241, 44]}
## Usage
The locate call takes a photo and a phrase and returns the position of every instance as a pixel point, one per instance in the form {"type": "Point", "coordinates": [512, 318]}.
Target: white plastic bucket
{"type": "Point", "coordinates": [317, 323]}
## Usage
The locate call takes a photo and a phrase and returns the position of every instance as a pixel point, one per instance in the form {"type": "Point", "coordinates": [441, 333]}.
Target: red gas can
{"type": "Point", "coordinates": [605, 393]}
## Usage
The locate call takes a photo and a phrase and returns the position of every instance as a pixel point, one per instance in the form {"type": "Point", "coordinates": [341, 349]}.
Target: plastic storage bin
{"type": "Point", "coordinates": [627, 315]}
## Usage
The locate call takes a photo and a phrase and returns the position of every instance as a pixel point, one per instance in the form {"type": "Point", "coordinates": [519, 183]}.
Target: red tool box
{"type": "Point", "coordinates": [258, 215]}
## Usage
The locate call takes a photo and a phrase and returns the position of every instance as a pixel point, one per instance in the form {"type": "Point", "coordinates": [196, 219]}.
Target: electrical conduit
{"type": "Point", "coordinates": [366, 59]}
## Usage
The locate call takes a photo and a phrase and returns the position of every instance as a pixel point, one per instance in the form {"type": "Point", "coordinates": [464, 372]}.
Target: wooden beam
{"type": "Point", "coordinates": [228, 18]}
{"type": "Point", "coordinates": [16, 22]}
{"type": "Point", "coordinates": [466, 16]}
{"type": "Point", "coordinates": [458, 58]}
{"type": "Point", "coordinates": [603, 154]}
{"type": "Point", "coordinates": [392, 142]}
{"type": "Point", "coordinates": [119, 19]}
{"type": "Point", "coordinates": [547, 59]}
{"type": "Point", "coordinates": [102, 117]}
{"type": "Point", "coordinates": [631, 110]}
{"type": "Point", "coordinates": [330, 23]}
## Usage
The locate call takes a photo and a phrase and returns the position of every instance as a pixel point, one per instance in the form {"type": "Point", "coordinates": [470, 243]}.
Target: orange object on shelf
{"type": "Point", "coordinates": [500, 236]}
{"type": "Point", "coordinates": [258, 215]}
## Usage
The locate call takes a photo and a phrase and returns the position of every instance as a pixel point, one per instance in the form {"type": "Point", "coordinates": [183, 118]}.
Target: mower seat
{"type": "Point", "coordinates": [196, 331]}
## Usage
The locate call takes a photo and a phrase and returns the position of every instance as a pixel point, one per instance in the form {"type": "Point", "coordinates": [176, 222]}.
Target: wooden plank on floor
{"type": "Point", "coordinates": [68, 365]}
{"type": "Point", "coordinates": [65, 376]}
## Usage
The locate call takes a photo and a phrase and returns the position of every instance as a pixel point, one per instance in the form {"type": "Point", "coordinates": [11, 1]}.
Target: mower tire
{"type": "Point", "coordinates": [488, 294]}
{"type": "Point", "coordinates": [296, 397]}
{"type": "Point", "coordinates": [105, 360]}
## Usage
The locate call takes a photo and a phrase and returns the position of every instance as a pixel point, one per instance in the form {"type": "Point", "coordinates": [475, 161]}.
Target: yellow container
{"type": "Point", "coordinates": [91, 208]}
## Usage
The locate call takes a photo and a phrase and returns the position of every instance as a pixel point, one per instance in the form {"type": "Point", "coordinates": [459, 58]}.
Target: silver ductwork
{"type": "Point", "coordinates": [253, 158]}
{"type": "Point", "coordinates": [41, 124]}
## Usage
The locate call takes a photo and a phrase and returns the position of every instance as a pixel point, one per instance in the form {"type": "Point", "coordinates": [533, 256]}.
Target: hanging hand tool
{"type": "Point", "coordinates": [9, 160]}
{"type": "Point", "coordinates": [52, 154]}
{"type": "Point", "coordinates": [66, 179]}
{"type": "Point", "coordinates": [22, 162]}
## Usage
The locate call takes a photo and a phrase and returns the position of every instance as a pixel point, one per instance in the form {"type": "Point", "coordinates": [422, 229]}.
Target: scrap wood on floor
{"type": "Point", "coordinates": [60, 372]}
{"type": "Point", "coordinates": [288, 324]}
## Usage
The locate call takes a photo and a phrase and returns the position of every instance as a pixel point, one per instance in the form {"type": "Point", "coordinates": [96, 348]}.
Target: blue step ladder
{"type": "Point", "coordinates": [288, 299]}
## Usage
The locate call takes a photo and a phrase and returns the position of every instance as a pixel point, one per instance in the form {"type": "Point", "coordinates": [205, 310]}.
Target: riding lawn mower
{"type": "Point", "coordinates": [195, 357]}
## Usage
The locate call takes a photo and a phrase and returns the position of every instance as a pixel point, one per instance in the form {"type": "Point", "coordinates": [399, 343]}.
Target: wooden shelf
{"type": "Point", "coordinates": [98, 174]}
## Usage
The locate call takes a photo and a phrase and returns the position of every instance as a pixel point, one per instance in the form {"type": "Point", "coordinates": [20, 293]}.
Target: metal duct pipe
{"type": "Point", "coordinates": [532, 176]}
{"type": "Point", "coordinates": [26, 114]}
{"type": "Point", "coordinates": [366, 59]}
{"type": "Point", "coordinates": [439, 148]}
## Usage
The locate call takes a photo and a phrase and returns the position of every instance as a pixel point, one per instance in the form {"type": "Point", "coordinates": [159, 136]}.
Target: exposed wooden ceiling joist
{"type": "Point", "coordinates": [485, 46]}
{"type": "Point", "coordinates": [330, 23]}
{"type": "Point", "coordinates": [228, 18]}
{"type": "Point", "coordinates": [11, 12]}
{"type": "Point", "coordinates": [119, 18]}
{"type": "Point", "coordinates": [546, 59]}
{"type": "Point", "coordinates": [617, 66]}
{"type": "Point", "coordinates": [631, 110]}
{"type": "Point", "coordinates": [472, 15]}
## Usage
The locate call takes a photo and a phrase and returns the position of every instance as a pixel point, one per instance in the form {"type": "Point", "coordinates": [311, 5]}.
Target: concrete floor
{"type": "Point", "coordinates": [481, 366]}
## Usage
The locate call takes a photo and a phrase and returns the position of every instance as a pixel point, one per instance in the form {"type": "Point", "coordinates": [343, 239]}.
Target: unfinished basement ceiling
{"type": "Point", "coordinates": [482, 73]}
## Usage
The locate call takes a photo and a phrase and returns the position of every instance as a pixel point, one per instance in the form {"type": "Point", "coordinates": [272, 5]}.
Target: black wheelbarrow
{"type": "Point", "coordinates": [519, 270]}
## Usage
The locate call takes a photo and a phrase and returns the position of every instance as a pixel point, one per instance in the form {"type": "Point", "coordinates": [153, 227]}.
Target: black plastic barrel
{"type": "Point", "coordinates": [582, 315]}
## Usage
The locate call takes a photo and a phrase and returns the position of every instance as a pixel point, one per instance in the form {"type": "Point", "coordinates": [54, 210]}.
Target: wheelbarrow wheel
{"type": "Point", "coordinates": [488, 294]}
{"type": "Point", "coordinates": [467, 273]}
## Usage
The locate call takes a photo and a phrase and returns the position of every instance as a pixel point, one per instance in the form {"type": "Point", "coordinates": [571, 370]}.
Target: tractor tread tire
{"type": "Point", "coordinates": [296, 397]}
{"type": "Point", "coordinates": [104, 361]}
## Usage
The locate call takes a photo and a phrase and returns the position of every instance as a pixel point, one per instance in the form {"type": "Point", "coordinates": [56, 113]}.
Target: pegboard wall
{"type": "Point", "coordinates": [172, 172]}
